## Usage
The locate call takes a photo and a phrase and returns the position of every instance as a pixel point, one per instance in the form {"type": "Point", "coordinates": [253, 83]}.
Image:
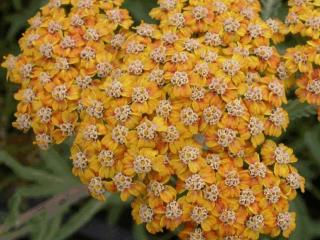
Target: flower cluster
{"type": "Point", "coordinates": [177, 116]}
{"type": "Point", "coordinates": [304, 18]}
{"type": "Point", "coordinates": [304, 60]}
{"type": "Point", "coordinates": [67, 49]}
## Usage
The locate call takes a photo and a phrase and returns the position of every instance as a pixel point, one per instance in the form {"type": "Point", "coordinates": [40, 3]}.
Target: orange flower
{"type": "Point", "coordinates": [172, 115]}
{"type": "Point", "coordinates": [65, 123]}
{"type": "Point", "coordinates": [279, 155]}
{"type": "Point", "coordinates": [278, 121]}
{"type": "Point", "coordinates": [106, 159]}
{"type": "Point", "coordinates": [80, 159]}
{"type": "Point", "coordinates": [299, 58]}
{"type": "Point", "coordinates": [188, 159]}
{"type": "Point", "coordinates": [308, 88]}
{"type": "Point", "coordinates": [142, 213]}
{"type": "Point", "coordinates": [126, 186]}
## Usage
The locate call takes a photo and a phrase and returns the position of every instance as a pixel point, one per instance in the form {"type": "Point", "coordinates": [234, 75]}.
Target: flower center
{"type": "Point", "coordinates": [212, 115]}
{"type": "Point", "coordinates": [80, 161]}
{"type": "Point", "coordinates": [122, 113]}
{"type": "Point", "coordinates": [83, 82]}
{"type": "Point", "coordinates": [96, 109]}
{"type": "Point", "coordinates": [172, 134]}
{"type": "Point", "coordinates": [283, 220]}
{"type": "Point", "coordinates": [180, 78]}
{"type": "Point", "coordinates": [232, 179]}
{"type": "Point", "coordinates": [145, 213]}
{"type": "Point", "coordinates": [91, 133]}
{"type": "Point", "coordinates": [281, 155]}
{"type": "Point", "coordinates": [188, 154]}
{"type": "Point", "coordinates": [140, 95]}
{"type": "Point", "coordinates": [257, 169]}
{"type": "Point", "coordinates": [95, 186]}
{"type": "Point", "coordinates": [173, 210]}
{"type": "Point", "coordinates": [246, 197]}
{"type": "Point", "coordinates": [255, 222]}
{"type": "Point", "coordinates": [231, 25]}
{"type": "Point", "coordinates": [44, 114]}
{"type": "Point", "coordinates": [314, 86]}
{"type": "Point", "coordinates": [235, 108]}
{"type": "Point", "coordinates": [214, 161]}
{"type": "Point", "coordinates": [177, 20]}
{"type": "Point", "coordinates": [67, 129]}
{"type": "Point", "coordinates": [188, 116]}
{"type": "Point", "coordinates": [211, 193]}
{"type": "Point", "coordinates": [88, 53]}
{"type": "Point", "coordinates": [226, 136]}
{"type": "Point", "coordinates": [255, 126]}
{"type": "Point", "coordinates": [142, 164]}
{"type": "Point", "coordinates": [106, 158]}
{"type": "Point", "coordinates": [199, 214]}
{"type": "Point", "coordinates": [194, 183]}
{"type": "Point", "coordinates": [115, 89]}
{"type": "Point", "coordinates": [119, 134]}
{"type": "Point", "coordinates": [136, 67]}
{"type": "Point", "coordinates": [228, 216]}
{"type": "Point", "coordinates": [164, 108]}
{"type": "Point", "coordinates": [199, 12]}
{"type": "Point", "coordinates": [272, 194]}
{"type": "Point", "coordinates": [122, 182]}
{"type": "Point", "coordinates": [231, 67]}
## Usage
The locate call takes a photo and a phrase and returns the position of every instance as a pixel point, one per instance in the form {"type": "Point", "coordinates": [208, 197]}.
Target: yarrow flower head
{"type": "Point", "coordinates": [176, 115]}
{"type": "Point", "coordinates": [59, 62]}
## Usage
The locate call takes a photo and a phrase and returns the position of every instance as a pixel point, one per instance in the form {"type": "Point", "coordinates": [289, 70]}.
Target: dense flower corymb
{"type": "Point", "coordinates": [177, 115]}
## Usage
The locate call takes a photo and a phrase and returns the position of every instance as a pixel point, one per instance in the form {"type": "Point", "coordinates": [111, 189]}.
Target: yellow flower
{"type": "Point", "coordinates": [278, 30]}
{"type": "Point", "coordinates": [65, 124]}
{"type": "Point", "coordinates": [139, 162]}
{"type": "Point", "coordinates": [299, 58]}
{"type": "Point", "coordinates": [278, 121]}
{"type": "Point", "coordinates": [189, 158]}
{"type": "Point", "coordinates": [279, 155]}
{"type": "Point", "coordinates": [126, 185]}
{"type": "Point", "coordinates": [292, 183]}
{"type": "Point", "coordinates": [172, 115]}
{"type": "Point", "coordinates": [200, 214]}
{"type": "Point", "coordinates": [145, 95]}
{"type": "Point", "coordinates": [308, 88]}
{"type": "Point", "coordinates": [80, 160]}
{"type": "Point", "coordinates": [142, 213]}
{"type": "Point", "coordinates": [106, 159]}
{"type": "Point", "coordinates": [285, 222]}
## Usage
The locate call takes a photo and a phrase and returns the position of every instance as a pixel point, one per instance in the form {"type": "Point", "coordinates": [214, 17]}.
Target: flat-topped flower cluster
{"type": "Point", "coordinates": [303, 61]}
{"type": "Point", "coordinates": [177, 116]}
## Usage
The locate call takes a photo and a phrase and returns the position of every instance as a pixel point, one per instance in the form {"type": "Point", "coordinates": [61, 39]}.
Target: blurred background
{"type": "Point", "coordinates": [31, 180]}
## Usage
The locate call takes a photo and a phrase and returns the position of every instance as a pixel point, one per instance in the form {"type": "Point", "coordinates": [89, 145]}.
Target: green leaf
{"type": "Point", "coordinates": [140, 9]}
{"type": "Point", "coordinates": [39, 227]}
{"type": "Point", "coordinates": [297, 110]}
{"type": "Point", "coordinates": [114, 214]}
{"type": "Point", "coordinates": [18, 20]}
{"type": "Point", "coordinates": [28, 173]}
{"type": "Point", "coordinates": [17, 4]}
{"type": "Point", "coordinates": [272, 8]}
{"type": "Point", "coordinates": [31, 192]}
{"type": "Point", "coordinates": [290, 42]}
{"type": "Point", "coordinates": [307, 228]}
{"type": "Point", "coordinates": [46, 185]}
{"type": "Point", "coordinates": [312, 141]}
{"type": "Point", "coordinates": [54, 227]}
{"type": "Point", "coordinates": [139, 232]}
{"type": "Point", "coordinates": [55, 162]}
{"type": "Point", "coordinates": [89, 209]}
{"type": "Point", "coordinates": [16, 234]}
